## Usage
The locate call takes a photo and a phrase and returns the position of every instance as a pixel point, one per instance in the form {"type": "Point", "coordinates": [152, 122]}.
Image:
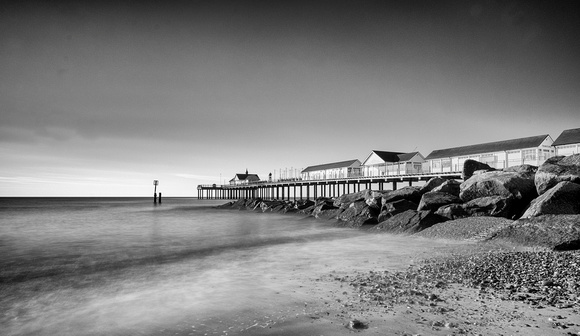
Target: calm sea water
{"type": "Point", "coordinates": [124, 266]}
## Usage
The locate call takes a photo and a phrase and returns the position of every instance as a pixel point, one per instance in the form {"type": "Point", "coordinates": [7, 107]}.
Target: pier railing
{"type": "Point", "coordinates": [352, 178]}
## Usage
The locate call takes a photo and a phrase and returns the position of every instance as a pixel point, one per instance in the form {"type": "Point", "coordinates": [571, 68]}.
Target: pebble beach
{"type": "Point", "coordinates": [469, 278]}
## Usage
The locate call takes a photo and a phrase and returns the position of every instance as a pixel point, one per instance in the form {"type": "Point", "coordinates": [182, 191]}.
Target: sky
{"type": "Point", "coordinates": [101, 98]}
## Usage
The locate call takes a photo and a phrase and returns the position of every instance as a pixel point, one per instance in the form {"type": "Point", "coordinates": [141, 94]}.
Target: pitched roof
{"type": "Point", "coordinates": [407, 156]}
{"type": "Point", "coordinates": [570, 136]}
{"type": "Point", "coordinates": [333, 165]}
{"type": "Point", "coordinates": [393, 156]}
{"type": "Point", "coordinates": [489, 147]}
{"type": "Point", "coordinates": [249, 177]}
{"type": "Point", "coordinates": [388, 156]}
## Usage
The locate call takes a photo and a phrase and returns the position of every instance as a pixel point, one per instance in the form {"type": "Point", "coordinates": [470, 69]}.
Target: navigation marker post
{"type": "Point", "coordinates": [155, 183]}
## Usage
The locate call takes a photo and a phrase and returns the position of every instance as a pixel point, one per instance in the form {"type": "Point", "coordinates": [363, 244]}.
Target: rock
{"type": "Point", "coordinates": [392, 208]}
{"type": "Point", "coordinates": [307, 211]}
{"type": "Point", "coordinates": [493, 206]}
{"type": "Point", "coordinates": [449, 186]}
{"type": "Point", "coordinates": [356, 216]}
{"type": "Point", "coordinates": [303, 204]}
{"type": "Point", "coordinates": [557, 232]}
{"type": "Point", "coordinates": [352, 211]}
{"type": "Point", "coordinates": [452, 211]}
{"type": "Point", "coordinates": [557, 169]}
{"type": "Point", "coordinates": [434, 200]}
{"type": "Point", "coordinates": [356, 324]}
{"type": "Point", "coordinates": [563, 199]}
{"type": "Point", "coordinates": [325, 208]}
{"type": "Point", "coordinates": [469, 166]}
{"type": "Point", "coordinates": [324, 200]}
{"type": "Point", "coordinates": [431, 184]}
{"type": "Point", "coordinates": [411, 194]}
{"type": "Point", "coordinates": [344, 200]}
{"type": "Point", "coordinates": [409, 222]}
{"type": "Point", "coordinates": [226, 205]}
{"type": "Point", "coordinates": [239, 204]}
{"type": "Point", "coordinates": [374, 198]}
{"type": "Point", "coordinates": [525, 169]}
{"type": "Point", "coordinates": [520, 187]}
{"type": "Point", "coordinates": [326, 213]}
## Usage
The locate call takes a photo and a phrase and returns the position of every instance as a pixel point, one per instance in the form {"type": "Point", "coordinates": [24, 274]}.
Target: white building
{"type": "Point", "coordinates": [343, 169]}
{"type": "Point", "coordinates": [568, 142]}
{"type": "Point", "coordinates": [241, 179]}
{"type": "Point", "coordinates": [500, 154]}
{"type": "Point", "coordinates": [382, 163]}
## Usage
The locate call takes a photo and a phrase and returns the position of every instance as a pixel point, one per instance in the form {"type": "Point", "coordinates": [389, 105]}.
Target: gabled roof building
{"type": "Point", "coordinates": [568, 142]}
{"type": "Point", "coordinates": [246, 178]}
{"type": "Point", "coordinates": [500, 154]}
{"type": "Point", "coordinates": [383, 163]}
{"type": "Point", "coordinates": [342, 169]}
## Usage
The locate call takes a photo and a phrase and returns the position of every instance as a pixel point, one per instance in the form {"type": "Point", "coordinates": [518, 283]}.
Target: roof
{"type": "Point", "coordinates": [341, 164]}
{"type": "Point", "coordinates": [407, 156]}
{"type": "Point", "coordinates": [388, 156]}
{"type": "Point", "coordinates": [249, 177]}
{"type": "Point", "coordinates": [489, 147]}
{"type": "Point", "coordinates": [393, 156]}
{"type": "Point", "coordinates": [571, 136]}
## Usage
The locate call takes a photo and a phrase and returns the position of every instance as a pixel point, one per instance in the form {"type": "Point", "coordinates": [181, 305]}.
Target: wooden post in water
{"type": "Point", "coordinates": [155, 183]}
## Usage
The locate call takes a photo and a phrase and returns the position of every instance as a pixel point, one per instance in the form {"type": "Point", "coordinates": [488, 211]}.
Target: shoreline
{"type": "Point", "coordinates": [414, 299]}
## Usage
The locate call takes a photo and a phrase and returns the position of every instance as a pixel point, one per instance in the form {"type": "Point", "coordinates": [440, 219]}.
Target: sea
{"type": "Point", "coordinates": [127, 266]}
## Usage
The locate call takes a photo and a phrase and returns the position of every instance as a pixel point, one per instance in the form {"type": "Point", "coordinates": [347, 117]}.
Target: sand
{"type": "Point", "coordinates": [327, 303]}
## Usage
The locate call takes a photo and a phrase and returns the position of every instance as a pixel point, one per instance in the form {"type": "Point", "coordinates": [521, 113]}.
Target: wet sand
{"type": "Point", "coordinates": [309, 298]}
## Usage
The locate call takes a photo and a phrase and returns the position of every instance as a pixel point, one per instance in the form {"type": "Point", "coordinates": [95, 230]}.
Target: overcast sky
{"type": "Point", "coordinates": [99, 100]}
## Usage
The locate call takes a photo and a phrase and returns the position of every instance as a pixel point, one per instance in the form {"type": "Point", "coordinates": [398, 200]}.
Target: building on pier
{"type": "Point", "coordinates": [335, 170]}
{"type": "Point", "coordinates": [242, 179]}
{"type": "Point", "coordinates": [500, 154]}
{"type": "Point", "coordinates": [383, 163]}
{"type": "Point", "coordinates": [568, 142]}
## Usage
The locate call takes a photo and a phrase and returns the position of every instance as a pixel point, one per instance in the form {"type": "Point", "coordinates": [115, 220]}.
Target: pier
{"type": "Point", "coordinates": [312, 189]}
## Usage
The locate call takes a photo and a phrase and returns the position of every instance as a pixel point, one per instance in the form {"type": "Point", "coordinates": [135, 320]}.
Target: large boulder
{"type": "Point", "coordinates": [411, 194]}
{"type": "Point", "coordinates": [392, 208]}
{"type": "Point", "coordinates": [557, 232]}
{"type": "Point", "coordinates": [449, 186]}
{"type": "Point", "coordinates": [303, 204]}
{"type": "Point", "coordinates": [409, 222]}
{"type": "Point", "coordinates": [239, 204]}
{"type": "Point", "coordinates": [434, 200]}
{"type": "Point", "coordinates": [375, 198]}
{"type": "Point", "coordinates": [499, 183]}
{"type": "Point", "coordinates": [557, 169]}
{"type": "Point", "coordinates": [470, 166]}
{"type": "Point", "coordinates": [452, 211]}
{"type": "Point", "coordinates": [524, 169]}
{"type": "Point", "coordinates": [493, 206]}
{"type": "Point", "coordinates": [344, 200]}
{"type": "Point", "coordinates": [562, 199]}
{"type": "Point", "coordinates": [327, 213]}
{"type": "Point", "coordinates": [433, 182]}
{"type": "Point", "coordinates": [357, 215]}
{"type": "Point", "coordinates": [325, 208]}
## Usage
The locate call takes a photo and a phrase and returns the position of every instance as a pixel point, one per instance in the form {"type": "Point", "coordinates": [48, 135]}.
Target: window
{"type": "Point", "coordinates": [529, 154]}
{"type": "Point", "coordinates": [446, 163]}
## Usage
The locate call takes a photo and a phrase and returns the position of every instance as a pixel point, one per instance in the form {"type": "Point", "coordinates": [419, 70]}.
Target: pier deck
{"type": "Point", "coordinates": [312, 189]}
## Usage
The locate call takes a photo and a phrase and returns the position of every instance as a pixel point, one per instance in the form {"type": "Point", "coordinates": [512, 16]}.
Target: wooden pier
{"type": "Point", "coordinates": [312, 189]}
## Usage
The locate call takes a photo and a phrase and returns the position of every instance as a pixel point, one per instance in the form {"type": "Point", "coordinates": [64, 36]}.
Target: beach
{"type": "Point", "coordinates": [439, 282]}
{"type": "Point", "coordinates": [128, 267]}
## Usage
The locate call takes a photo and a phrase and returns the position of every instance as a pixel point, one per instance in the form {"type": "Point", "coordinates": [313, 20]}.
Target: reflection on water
{"type": "Point", "coordinates": [114, 267]}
